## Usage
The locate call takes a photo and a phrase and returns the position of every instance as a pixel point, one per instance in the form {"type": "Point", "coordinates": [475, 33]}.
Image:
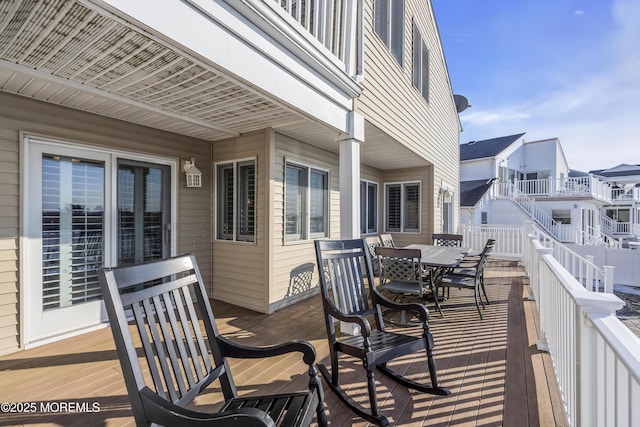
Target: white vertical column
{"type": "Point", "coordinates": [350, 178]}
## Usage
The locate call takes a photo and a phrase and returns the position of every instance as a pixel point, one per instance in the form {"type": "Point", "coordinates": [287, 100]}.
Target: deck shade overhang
{"type": "Point", "coordinates": [197, 68]}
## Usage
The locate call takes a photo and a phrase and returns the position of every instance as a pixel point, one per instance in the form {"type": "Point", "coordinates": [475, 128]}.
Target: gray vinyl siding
{"type": "Point", "coordinates": [291, 255]}
{"type": "Point", "coordinates": [9, 240]}
{"type": "Point", "coordinates": [391, 102]}
{"type": "Point", "coordinates": [240, 269]}
{"type": "Point", "coordinates": [19, 116]}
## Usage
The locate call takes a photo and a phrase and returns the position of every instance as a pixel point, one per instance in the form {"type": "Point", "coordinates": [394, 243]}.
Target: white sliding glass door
{"type": "Point", "coordinates": [86, 209]}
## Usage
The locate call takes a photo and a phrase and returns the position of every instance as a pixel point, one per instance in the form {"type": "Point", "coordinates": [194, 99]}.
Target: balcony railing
{"type": "Point", "coordinates": [621, 194]}
{"type": "Point", "coordinates": [584, 186]}
{"type": "Point", "coordinates": [336, 24]}
{"type": "Point", "coordinates": [596, 358]}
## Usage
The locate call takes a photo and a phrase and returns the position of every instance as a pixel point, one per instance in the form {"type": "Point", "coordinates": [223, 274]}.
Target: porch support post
{"type": "Point", "coordinates": [350, 178]}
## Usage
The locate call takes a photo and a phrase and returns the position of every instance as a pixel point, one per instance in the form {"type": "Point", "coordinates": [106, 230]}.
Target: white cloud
{"type": "Point", "coordinates": [486, 117]}
{"type": "Point", "coordinates": [578, 12]}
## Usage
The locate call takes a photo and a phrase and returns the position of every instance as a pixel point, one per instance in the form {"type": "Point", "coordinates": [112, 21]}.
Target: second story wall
{"type": "Point", "coordinates": [423, 119]}
{"type": "Point", "coordinates": [545, 156]}
{"type": "Point", "coordinates": [472, 170]}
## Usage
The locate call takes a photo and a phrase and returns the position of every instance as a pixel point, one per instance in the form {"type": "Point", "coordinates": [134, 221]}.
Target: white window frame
{"type": "Point", "coordinates": [305, 233]}
{"type": "Point", "coordinates": [420, 63]}
{"type": "Point", "coordinates": [235, 233]}
{"type": "Point", "coordinates": [389, 26]}
{"type": "Point", "coordinates": [364, 206]}
{"type": "Point", "coordinates": [403, 228]}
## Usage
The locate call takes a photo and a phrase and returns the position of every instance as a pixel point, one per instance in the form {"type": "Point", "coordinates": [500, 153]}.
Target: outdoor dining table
{"type": "Point", "coordinates": [441, 257]}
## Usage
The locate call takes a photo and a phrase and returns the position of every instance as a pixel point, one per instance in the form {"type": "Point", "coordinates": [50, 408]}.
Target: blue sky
{"type": "Point", "coordinates": [560, 68]}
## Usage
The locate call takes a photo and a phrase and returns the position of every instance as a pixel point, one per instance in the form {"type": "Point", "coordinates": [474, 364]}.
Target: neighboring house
{"type": "Point", "coordinates": [622, 218]}
{"type": "Point", "coordinates": [508, 180]}
{"type": "Point", "coordinates": [329, 120]}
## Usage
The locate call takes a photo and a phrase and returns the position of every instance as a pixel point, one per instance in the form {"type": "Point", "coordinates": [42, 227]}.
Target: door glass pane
{"type": "Point", "coordinates": [141, 214]}
{"type": "Point", "coordinates": [72, 230]}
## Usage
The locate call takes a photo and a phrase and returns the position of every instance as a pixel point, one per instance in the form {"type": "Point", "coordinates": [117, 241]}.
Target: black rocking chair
{"type": "Point", "coordinates": [185, 354]}
{"type": "Point", "coordinates": [344, 266]}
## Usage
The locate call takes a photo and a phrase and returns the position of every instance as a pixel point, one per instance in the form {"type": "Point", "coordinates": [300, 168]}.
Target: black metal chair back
{"type": "Point", "coordinates": [453, 240]}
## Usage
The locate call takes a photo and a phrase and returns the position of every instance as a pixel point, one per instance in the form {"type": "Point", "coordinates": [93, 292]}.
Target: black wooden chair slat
{"type": "Point", "coordinates": [171, 337]}
{"type": "Point", "coordinates": [278, 408]}
{"type": "Point", "coordinates": [183, 359]}
{"type": "Point", "coordinates": [157, 289]}
{"type": "Point", "coordinates": [202, 350]}
{"type": "Point", "coordinates": [284, 409]}
{"type": "Point", "coordinates": [176, 331]}
{"type": "Point", "coordinates": [347, 265]}
{"type": "Point", "coordinates": [189, 354]}
{"type": "Point", "coordinates": [149, 352]}
{"type": "Point", "coordinates": [293, 410]}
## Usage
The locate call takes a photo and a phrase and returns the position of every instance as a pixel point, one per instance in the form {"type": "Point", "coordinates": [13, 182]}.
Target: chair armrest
{"type": "Point", "coordinates": [365, 327]}
{"type": "Point", "coordinates": [419, 309]}
{"type": "Point", "coordinates": [233, 349]}
{"type": "Point", "coordinates": [163, 412]}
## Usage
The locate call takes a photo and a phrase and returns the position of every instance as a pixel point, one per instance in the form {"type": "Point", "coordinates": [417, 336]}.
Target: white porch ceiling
{"type": "Point", "coordinates": [75, 54]}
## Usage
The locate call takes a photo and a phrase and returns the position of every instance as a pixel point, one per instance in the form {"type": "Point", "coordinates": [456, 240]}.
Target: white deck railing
{"type": "Point", "coordinates": [510, 244]}
{"type": "Point", "coordinates": [596, 358]}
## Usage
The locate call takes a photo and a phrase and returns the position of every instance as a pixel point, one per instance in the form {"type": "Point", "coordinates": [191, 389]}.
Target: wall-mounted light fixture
{"type": "Point", "coordinates": [194, 176]}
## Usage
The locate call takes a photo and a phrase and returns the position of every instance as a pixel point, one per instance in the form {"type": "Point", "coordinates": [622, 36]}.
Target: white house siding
{"type": "Point", "coordinates": [240, 269]}
{"type": "Point", "coordinates": [391, 102]}
{"type": "Point", "coordinates": [505, 211]}
{"type": "Point", "coordinates": [288, 256]}
{"type": "Point", "coordinates": [478, 169]}
{"type": "Point", "coordinates": [22, 115]}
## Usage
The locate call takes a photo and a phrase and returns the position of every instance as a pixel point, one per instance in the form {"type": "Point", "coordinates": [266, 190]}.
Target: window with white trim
{"type": "Point", "coordinates": [402, 207]}
{"type": "Point", "coordinates": [420, 63]}
{"type": "Point", "coordinates": [368, 207]}
{"type": "Point", "coordinates": [389, 25]}
{"type": "Point", "coordinates": [236, 201]}
{"type": "Point", "coordinates": [306, 202]}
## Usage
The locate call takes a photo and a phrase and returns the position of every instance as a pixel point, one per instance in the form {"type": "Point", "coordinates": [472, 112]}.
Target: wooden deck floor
{"type": "Point", "coordinates": [496, 375]}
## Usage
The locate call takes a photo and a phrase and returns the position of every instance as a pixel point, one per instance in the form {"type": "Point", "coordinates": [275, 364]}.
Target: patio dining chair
{"type": "Point", "coordinates": [347, 271]}
{"type": "Point", "coordinates": [452, 240]}
{"type": "Point", "coordinates": [402, 274]}
{"type": "Point", "coordinates": [387, 241]}
{"type": "Point", "coordinates": [184, 352]}
{"type": "Point", "coordinates": [372, 243]}
{"type": "Point", "coordinates": [472, 279]}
